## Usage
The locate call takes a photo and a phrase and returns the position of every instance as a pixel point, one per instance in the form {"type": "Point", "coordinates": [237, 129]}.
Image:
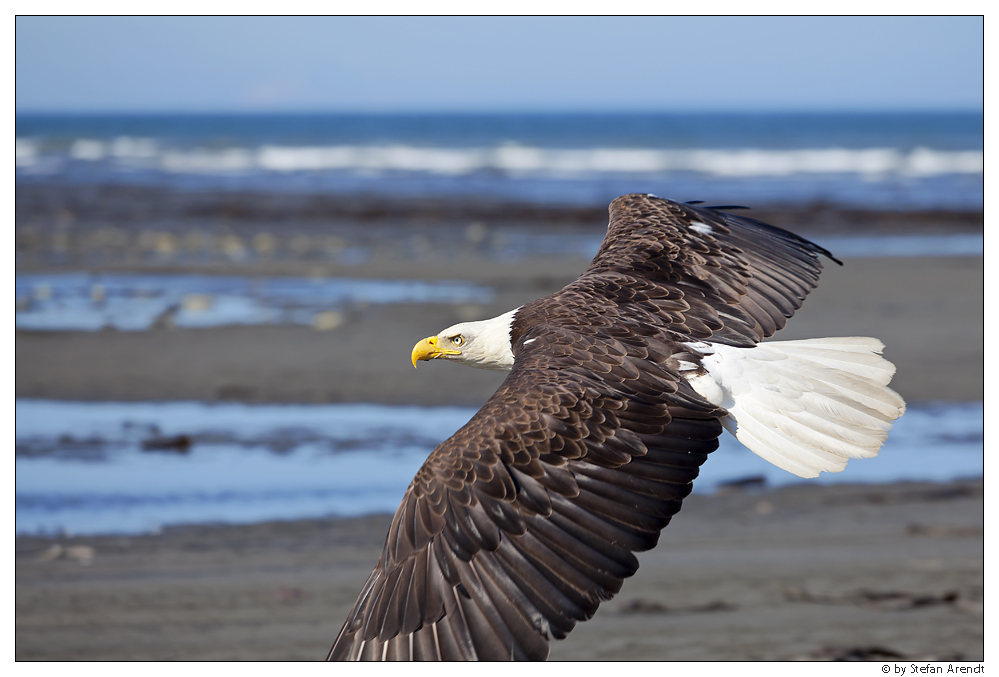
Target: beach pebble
{"type": "Point", "coordinates": [264, 244]}
{"type": "Point", "coordinates": [196, 303]}
{"type": "Point", "coordinates": [51, 553]}
{"type": "Point", "coordinates": [764, 508]}
{"type": "Point", "coordinates": [98, 293]}
{"type": "Point", "coordinates": [81, 554]}
{"type": "Point", "coordinates": [233, 247]}
{"type": "Point", "coordinates": [327, 320]}
{"type": "Point", "coordinates": [166, 245]}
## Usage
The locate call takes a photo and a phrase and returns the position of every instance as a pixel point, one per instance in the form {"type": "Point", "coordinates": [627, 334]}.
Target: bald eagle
{"type": "Point", "coordinates": [520, 524]}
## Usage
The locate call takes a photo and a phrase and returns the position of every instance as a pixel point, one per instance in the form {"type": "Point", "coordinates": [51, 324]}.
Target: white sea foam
{"type": "Point", "coordinates": [25, 152]}
{"type": "Point", "coordinates": [129, 147]}
{"type": "Point", "coordinates": [528, 160]}
{"type": "Point", "coordinates": [519, 160]}
{"type": "Point", "coordinates": [87, 149]}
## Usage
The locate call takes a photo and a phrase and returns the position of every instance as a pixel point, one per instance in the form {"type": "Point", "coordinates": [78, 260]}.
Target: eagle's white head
{"type": "Point", "coordinates": [484, 344]}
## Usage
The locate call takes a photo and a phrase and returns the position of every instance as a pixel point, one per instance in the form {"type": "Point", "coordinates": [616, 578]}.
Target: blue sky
{"type": "Point", "coordinates": [498, 64]}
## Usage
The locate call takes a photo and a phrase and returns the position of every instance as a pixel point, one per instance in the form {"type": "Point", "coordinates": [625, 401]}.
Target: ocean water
{"type": "Point", "coordinates": [135, 301]}
{"type": "Point", "coordinates": [877, 160]}
{"type": "Point", "coordinates": [113, 467]}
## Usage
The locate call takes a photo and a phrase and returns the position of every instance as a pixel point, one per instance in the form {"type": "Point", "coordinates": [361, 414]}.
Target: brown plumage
{"type": "Point", "coordinates": [519, 525]}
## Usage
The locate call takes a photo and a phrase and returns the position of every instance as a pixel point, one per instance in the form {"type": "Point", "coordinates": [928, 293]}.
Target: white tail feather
{"type": "Point", "coordinates": [806, 406]}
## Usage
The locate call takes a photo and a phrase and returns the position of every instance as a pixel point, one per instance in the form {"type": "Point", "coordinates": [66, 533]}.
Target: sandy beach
{"type": "Point", "coordinates": [914, 305]}
{"type": "Point", "coordinates": [806, 572]}
{"type": "Point", "coordinates": [879, 572]}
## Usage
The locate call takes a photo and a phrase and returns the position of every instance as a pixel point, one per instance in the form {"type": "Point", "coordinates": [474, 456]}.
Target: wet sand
{"type": "Point", "coordinates": [927, 311]}
{"type": "Point", "coordinates": [805, 572]}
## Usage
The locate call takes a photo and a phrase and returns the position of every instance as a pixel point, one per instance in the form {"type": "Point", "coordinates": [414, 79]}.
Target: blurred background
{"type": "Point", "coordinates": [231, 231]}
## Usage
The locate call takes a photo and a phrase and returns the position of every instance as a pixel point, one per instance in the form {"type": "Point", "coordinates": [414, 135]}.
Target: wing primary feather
{"type": "Point", "coordinates": [602, 562]}
{"type": "Point", "coordinates": [521, 616]}
{"type": "Point", "coordinates": [551, 603]}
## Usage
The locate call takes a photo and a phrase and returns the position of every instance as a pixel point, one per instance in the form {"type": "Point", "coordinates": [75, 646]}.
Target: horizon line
{"type": "Point", "coordinates": [505, 112]}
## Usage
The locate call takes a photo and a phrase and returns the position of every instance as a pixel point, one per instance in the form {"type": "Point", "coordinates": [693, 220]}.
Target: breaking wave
{"type": "Point", "coordinates": [129, 153]}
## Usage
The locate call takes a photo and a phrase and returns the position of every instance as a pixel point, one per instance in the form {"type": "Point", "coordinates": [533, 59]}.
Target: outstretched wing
{"type": "Point", "coordinates": [528, 517]}
{"type": "Point", "coordinates": [714, 275]}
{"type": "Point", "coordinates": [519, 525]}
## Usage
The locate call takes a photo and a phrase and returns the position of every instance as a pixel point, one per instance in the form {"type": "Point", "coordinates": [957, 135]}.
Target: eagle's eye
{"type": "Point", "coordinates": [457, 340]}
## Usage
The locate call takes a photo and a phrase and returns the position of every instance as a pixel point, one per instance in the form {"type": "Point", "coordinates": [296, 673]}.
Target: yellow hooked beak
{"type": "Point", "coordinates": [427, 350]}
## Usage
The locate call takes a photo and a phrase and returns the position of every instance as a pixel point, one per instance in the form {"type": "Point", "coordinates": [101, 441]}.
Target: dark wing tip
{"type": "Point", "coordinates": [624, 203]}
{"type": "Point", "coordinates": [818, 249]}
